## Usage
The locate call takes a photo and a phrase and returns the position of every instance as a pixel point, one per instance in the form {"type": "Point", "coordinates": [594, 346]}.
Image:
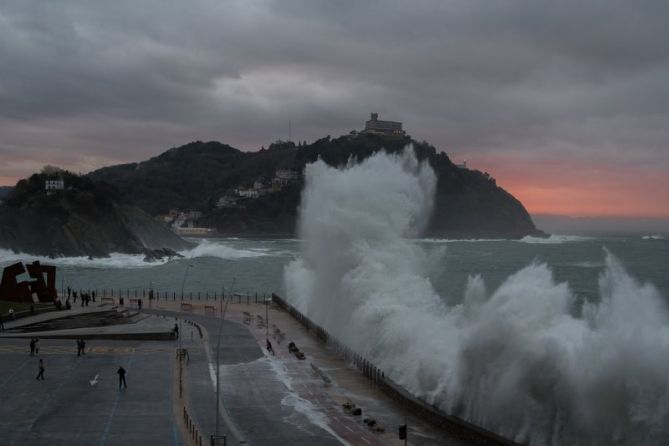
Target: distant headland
{"type": "Point", "coordinates": [210, 188]}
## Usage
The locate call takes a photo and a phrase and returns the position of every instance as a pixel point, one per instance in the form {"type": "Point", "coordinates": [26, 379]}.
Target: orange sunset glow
{"type": "Point", "coordinates": [580, 190]}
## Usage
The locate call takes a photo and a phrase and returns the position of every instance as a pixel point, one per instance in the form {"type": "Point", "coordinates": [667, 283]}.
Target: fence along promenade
{"type": "Point", "coordinates": [464, 430]}
{"type": "Point", "coordinates": [130, 295]}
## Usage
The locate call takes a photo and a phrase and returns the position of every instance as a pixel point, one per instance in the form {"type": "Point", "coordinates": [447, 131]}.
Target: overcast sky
{"type": "Point", "coordinates": [565, 102]}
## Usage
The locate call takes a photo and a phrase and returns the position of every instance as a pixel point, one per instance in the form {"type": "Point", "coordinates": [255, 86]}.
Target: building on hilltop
{"type": "Point", "coordinates": [374, 125]}
{"type": "Point", "coordinates": [52, 185]}
{"type": "Point", "coordinates": [463, 165]}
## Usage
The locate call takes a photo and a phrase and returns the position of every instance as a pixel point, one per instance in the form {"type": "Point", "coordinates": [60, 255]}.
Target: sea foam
{"type": "Point", "coordinates": [525, 360]}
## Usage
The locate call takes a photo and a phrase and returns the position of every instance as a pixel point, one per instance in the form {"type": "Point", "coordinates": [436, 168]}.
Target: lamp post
{"type": "Point", "coordinates": [218, 351]}
{"type": "Point", "coordinates": [183, 283]}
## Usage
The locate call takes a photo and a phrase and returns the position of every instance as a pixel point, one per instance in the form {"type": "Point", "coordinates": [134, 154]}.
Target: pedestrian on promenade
{"type": "Point", "coordinates": [32, 346]}
{"type": "Point", "coordinates": [40, 370]}
{"type": "Point", "coordinates": [69, 292]}
{"type": "Point", "coordinates": [175, 330]}
{"type": "Point", "coordinates": [74, 296]}
{"type": "Point", "coordinates": [93, 295]}
{"type": "Point", "coordinates": [139, 303]}
{"type": "Point", "coordinates": [80, 347]}
{"type": "Point", "coordinates": [2, 324]}
{"type": "Point", "coordinates": [269, 347]}
{"type": "Point", "coordinates": [121, 378]}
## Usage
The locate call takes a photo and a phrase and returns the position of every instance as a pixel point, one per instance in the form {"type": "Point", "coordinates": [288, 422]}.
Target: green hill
{"type": "Point", "coordinates": [468, 203]}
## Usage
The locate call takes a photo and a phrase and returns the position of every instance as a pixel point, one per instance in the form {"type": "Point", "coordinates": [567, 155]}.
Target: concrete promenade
{"type": "Point", "coordinates": [265, 399]}
{"type": "Point", "coordinates": [279, 399]}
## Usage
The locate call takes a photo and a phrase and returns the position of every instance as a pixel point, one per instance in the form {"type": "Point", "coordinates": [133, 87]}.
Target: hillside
{"type": "Point", "coordinates": [468, 203]}
{"type": "Point", "coordinates": [86, 218]}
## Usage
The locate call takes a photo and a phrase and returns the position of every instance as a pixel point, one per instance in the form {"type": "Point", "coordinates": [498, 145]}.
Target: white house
{"type": "Point", "coordinates": [247, 193]}
{"type": "Point", "coordinates": [52, 185]}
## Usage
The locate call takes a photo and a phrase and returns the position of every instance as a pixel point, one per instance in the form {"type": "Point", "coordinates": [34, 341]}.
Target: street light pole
{"type": "Point", "coordinates": [183, 283]}
{"type": "Point", "coordinates": [218, 362]}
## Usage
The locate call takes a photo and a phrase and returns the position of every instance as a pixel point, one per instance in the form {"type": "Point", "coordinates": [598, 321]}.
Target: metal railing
{"type": "Point", "coordinates": [454, 425]}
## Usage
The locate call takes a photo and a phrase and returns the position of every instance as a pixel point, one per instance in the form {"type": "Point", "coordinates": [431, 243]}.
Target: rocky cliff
{"type": "Point", "coordinates": [85, 218]}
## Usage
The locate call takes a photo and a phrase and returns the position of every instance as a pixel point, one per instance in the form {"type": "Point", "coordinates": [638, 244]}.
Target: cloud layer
{"type": "Point", "coordinates": [540, 83]}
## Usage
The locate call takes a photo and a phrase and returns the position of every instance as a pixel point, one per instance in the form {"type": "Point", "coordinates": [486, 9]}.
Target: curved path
{"type": "Point", "coordinates": [256, 403]}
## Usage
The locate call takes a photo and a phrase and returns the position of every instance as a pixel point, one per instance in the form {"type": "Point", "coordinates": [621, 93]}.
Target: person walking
{"type": "Point", "coordinates": [36, 346]}
{"type": "Point", "coordinates": [69, 292]}
{"type": "Point", "coordinates": [2, 323]}
{"type": "Point", "coordinates": [40, 370]}
{"type": "Point", "coordinates": [121, 378]}
{"type": "Point", "coordinates": [80, 347]}
{"type": "Point", "coordinates": [176, 331]}
{"type": "Point", "coordinates": [32, 346]}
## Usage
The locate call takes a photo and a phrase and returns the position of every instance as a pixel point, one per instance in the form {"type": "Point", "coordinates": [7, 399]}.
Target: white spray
{"type": "Point", "coordinates": [525, 360]}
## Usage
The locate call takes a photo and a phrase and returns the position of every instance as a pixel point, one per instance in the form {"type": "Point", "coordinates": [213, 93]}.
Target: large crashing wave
{"type": "Point", "coordinates": [525, 360]}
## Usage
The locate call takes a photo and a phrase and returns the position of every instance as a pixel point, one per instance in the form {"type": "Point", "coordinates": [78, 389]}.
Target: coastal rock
{"type": "Point", "coordinates": [83, 218]}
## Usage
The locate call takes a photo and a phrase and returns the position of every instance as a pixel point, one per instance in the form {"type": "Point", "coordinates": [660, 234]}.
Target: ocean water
{"type": "Point", "coordinates": [257, 265]}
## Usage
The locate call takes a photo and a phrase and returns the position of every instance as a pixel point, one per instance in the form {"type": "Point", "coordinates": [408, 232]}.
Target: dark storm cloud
{"type": "Point", "coordinates": [99, 82]}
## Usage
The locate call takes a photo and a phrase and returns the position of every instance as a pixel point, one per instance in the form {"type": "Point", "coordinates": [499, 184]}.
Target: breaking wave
{"type": "Point", "coordinates": [115, 260]}
{"type": "Point", "coordinates": [526, 360]}
{"type": "Point", "coordinates": [205, 248]}
{"type": "Point", "coordinates": [554, 239]}
{"type": "Point", "coordinates": [653, 237]}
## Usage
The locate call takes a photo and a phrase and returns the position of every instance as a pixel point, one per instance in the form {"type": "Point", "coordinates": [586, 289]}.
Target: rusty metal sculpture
{"type": "Point", "coordinates": [44, 287]}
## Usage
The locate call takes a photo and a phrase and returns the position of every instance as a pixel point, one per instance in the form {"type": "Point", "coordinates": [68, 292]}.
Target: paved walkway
{"type": "Point", "coordinates": [79, 402]}
{"type": "Point", "coordinates": [261, 391]}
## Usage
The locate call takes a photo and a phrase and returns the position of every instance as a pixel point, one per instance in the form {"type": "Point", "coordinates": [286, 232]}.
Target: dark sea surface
{"type": "Point", "coordinates": [257, 265]}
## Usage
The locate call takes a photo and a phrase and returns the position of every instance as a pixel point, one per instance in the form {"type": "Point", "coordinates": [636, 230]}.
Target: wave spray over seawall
{"type": "Point", "coordinates": [525, 360]}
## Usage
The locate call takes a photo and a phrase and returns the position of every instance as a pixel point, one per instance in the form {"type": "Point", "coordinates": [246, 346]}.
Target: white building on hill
{"type": "Point", "coordinates": [54, 185]}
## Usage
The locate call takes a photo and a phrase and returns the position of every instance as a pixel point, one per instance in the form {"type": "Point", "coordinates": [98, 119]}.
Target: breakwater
{"type": "Point", "coordinates": [464, 430]}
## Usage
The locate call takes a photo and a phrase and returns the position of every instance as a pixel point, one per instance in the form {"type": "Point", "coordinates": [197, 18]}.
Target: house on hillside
{"type": "Point", "coordinates": [283, 177]}
{"type": "Point", "coordinates": [247, 193]}
{"type": "Point", "coordinates": [51, 186]}
{"type": "Point", "coordinates": [227, 201]}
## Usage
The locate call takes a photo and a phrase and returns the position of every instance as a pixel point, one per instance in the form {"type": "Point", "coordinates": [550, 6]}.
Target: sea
{"type": "Point", "coordinates": [248, 266]}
